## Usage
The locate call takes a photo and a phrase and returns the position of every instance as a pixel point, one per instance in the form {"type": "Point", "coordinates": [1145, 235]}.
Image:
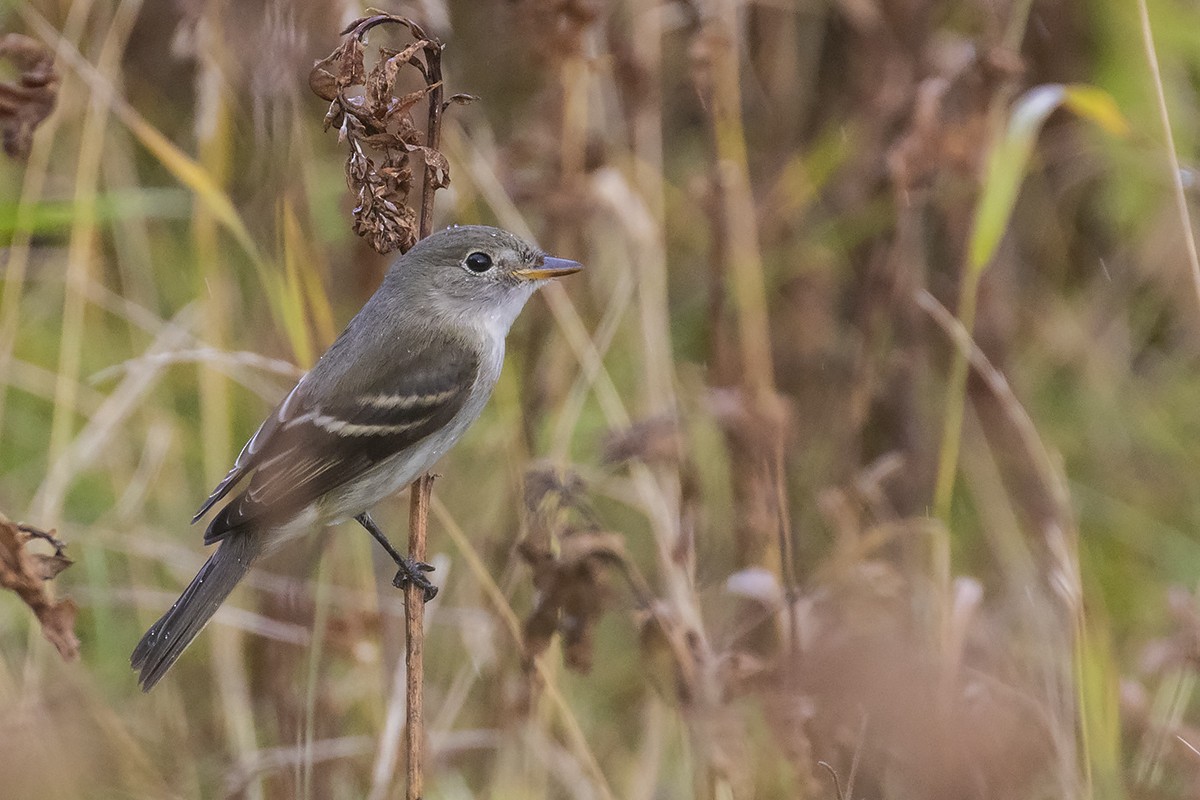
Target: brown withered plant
{"type": "Point", "coordinates": [377, 120]}
{"type": "Point", "coordinates": [30, 99]}
{"type": "Point", "coordinates": [28, 573]}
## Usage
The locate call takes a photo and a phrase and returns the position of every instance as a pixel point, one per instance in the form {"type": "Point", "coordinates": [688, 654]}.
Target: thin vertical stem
{"type": "Point", "coordinates": [422, 487]}
{"type": "Point", "coordinates": [1181, 205]}
{"type": "Point", "coordinates": [947, 470]}
{"type": "Point", "coordinates": [433, 134]}
{"type": "Point", "coordinates": [414, 639]}
{"type": "Point", "coordinates": [739, 270]}
{"type": "Point", "coordinates": [747, 282]}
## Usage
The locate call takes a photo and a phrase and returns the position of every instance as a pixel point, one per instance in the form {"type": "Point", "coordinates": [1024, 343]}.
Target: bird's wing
{"type": "Point", "coordinates": [328, 433]}
{"type": "Point", "coordinates": [249, 457]}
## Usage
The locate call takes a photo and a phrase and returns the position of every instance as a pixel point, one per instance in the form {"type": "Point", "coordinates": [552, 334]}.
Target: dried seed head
{"type": "Point", "coordinates": [379, 120]}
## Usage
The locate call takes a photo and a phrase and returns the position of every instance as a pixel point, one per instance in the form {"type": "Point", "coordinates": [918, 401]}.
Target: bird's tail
{"type": "Point", "coordinates": [168, 637]}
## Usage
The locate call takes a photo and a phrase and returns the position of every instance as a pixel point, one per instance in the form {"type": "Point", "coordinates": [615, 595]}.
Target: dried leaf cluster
{"type": "Point", "coordinates": [28, 574]}
{"type": "Point", "coordinates": [569, 560]}
{"type": "Point", "coordinates": [379, 121]}
{"type": "Point", "coordinates": [28, 101]}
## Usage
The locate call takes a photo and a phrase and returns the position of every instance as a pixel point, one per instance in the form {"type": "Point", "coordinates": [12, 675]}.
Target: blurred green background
{"type": "Point", "coordinates": [842, 544]}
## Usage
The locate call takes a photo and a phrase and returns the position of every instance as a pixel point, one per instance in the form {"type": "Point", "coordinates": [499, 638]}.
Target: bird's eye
{"type": "Point", "coordinates": [479, 262]}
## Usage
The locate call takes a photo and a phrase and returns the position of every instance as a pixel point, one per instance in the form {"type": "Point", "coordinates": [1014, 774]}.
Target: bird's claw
{"type": "Point", "coordinates": [413, 572]}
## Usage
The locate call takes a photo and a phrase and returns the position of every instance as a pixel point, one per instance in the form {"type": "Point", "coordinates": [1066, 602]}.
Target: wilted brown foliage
{"type": "Point", "coordinates": [376, 119]}
{"type": "Point", "coordinates": [569, 564]}
{"type": "Point", "coordinates": [28, 101]}
{"type": "Point", "coordinates": [28, 573]}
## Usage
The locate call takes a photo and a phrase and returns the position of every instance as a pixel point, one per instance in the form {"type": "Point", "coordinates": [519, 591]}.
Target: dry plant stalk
{"type": "Point", "coordinates": [28, 575]}
{"type": "Point", "coordinates": [380, 120]}
{"type": "Point", "coordinates": [752, 413]}
{"type": "Point", "coordinates": [414, 639]}
{"type": "Point", "coordinates": [28, 101]}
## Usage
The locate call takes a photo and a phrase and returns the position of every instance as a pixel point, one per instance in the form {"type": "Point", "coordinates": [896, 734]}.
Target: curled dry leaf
{"type": "Point", "coordinates": [376, 119]}
{"type": "Point", "coordinates": [30, 99]}
{"type": "Point", "coordinates": [380, 101]}
{"type": "Point", "coordinates": [571, 592]}
{"type": "Point", "coordinates": [27, 574]}
{"type": "Point", "coordinates": [338, 71]}
{"type": "Point", "coordinates": [435, 161]}
{"type": "Point", "coordinates": [460, 99]}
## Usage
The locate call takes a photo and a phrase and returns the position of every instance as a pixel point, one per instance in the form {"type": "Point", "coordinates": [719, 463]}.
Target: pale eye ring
{"type": "Point", "coordinates": [478, 262]}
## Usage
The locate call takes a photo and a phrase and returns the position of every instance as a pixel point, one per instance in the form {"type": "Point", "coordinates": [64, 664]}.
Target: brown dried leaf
{"type": "Point", "coordinates": [47, 568]}
{"type": "Point", "coordinates": [383, 141]}
{"type": "Point", "coordinates": [24, 104]}
{"type": "Point", "coordinates": [401, 108]}
{"type": "Point", "coordinates": [382, 122]}
{"type": "Point", "coordinates": [26, 573]}
{"type": "Point", "coordinates": [383, 79]}
{"type": "Point", "coordinates": [353, 72]}
{"type": "Point", "coordinates": [338, 71]}
{"type": "Point", "coordinates": [435, 160]}
{"type": "Point", "coordinates": [460, 99]}
{"type": "Point", "coordinates": [322, 79]}
{"type": "Point", "coordinates": [572, 590]}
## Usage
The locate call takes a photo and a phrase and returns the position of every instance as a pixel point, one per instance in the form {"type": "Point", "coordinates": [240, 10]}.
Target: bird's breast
{"type": "Point", "coordinates": [398, 471]}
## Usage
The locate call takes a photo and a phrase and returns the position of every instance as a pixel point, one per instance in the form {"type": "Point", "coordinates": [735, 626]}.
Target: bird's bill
{"type": "Point", "coordinates": [551, 268]}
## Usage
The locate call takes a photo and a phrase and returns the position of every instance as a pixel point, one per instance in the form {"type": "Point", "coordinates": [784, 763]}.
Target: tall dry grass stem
{"type": "Point", "coordinates": [1164, 116]}
{"type": "Point", "coordinates": [755, 419]}
{"type": "Point", "coordinates": [1058, 568]}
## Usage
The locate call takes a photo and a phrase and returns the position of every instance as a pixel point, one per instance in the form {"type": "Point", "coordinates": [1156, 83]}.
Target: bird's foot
{"type": "Point", "coordinates": [413, 572]}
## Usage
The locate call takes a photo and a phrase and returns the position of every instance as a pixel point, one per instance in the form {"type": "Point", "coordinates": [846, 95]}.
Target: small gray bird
{"type": "Point", "coordinates": [394, 392]}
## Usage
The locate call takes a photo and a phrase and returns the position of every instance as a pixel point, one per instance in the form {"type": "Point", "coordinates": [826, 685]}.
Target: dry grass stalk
{"type": "Point", "coordinates": [381, 121]}
{"type": "Point", "coordinates": [1181, 202]}
{"type": "Point", "coordinates": [751, 411]}
{"type": "Point", "coordinates": [414, 640]}
{"type": "Point", "coordinates": [1054, 518]}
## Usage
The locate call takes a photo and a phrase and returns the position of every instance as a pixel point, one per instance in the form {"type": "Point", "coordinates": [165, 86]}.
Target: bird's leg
{"type": "Point", "coordinates": [409, 571]}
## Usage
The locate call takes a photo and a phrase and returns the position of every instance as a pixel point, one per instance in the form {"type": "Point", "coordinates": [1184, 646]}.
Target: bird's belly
{"type": "Point", "coordinates": [382, 481]}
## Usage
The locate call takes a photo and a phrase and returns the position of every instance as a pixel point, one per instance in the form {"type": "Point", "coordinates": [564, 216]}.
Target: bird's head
{"type": "Point", "coordinates": [476, 271]}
